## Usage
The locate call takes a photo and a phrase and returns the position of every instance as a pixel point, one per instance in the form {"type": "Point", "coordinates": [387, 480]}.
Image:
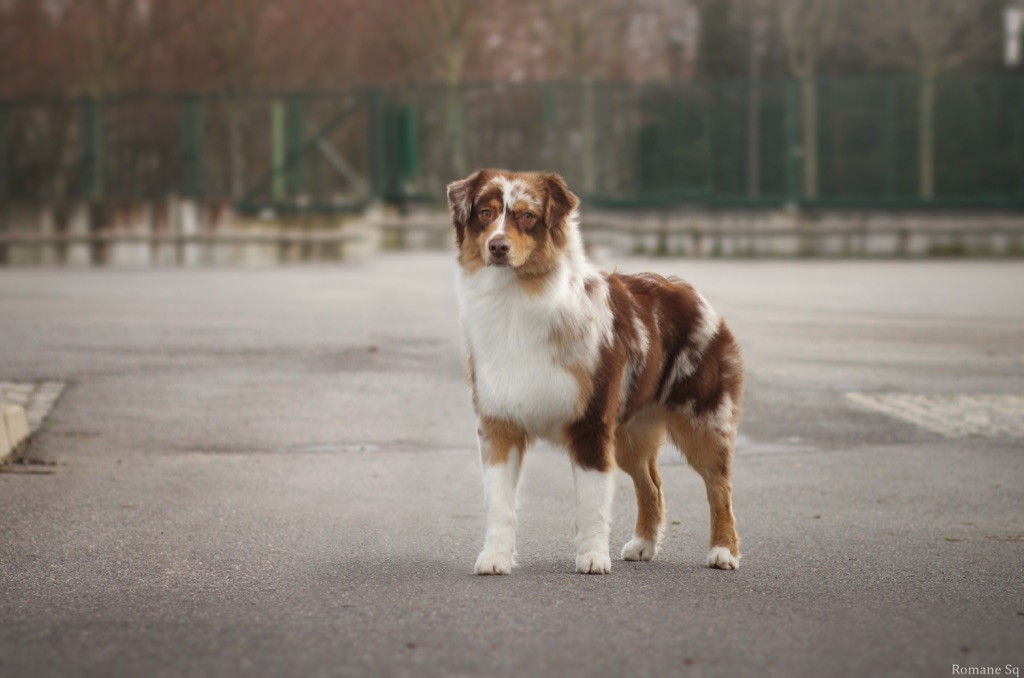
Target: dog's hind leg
{"type": "Point", "coordinates": [636, 450]}
{"type": "Point", "coordinates": [501, 452]}
{"type": "Point", "coordinates": [708, 441]}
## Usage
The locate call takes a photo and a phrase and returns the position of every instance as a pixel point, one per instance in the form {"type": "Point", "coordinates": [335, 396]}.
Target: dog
{"type": "Point", "coordinates": [603, 364]}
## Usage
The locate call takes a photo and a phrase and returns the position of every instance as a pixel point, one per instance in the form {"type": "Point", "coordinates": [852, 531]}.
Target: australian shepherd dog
{"type": "Point", "coordinates": [602, 364]}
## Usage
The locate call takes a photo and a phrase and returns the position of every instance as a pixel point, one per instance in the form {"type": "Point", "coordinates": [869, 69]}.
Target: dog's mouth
{"type": "Point", "coordinates": [501, 262]}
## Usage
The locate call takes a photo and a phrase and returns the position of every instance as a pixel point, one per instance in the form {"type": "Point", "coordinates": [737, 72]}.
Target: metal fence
{"type": "Point", "coordinates": [719, 143]}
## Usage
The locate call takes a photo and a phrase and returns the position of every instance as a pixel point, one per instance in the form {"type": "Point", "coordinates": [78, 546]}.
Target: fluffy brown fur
{"type": "Point", "coordinates": [664, 364]}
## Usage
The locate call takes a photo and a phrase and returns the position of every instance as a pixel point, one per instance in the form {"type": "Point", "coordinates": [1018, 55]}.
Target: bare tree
{"type": "Point", "coordinates": [574, 27]}
{"type": "Point", "coordinates": [457, 22]}
{"type": "Point", "coordinates": [808, 28]}
{"type": "Point", "coordinates": [586, 36]}
{"type": "Point", "coordinates": [758, 21]}
{"type": "Point", "coordinates": [110, 42]}
{"type": "Point", "coordinates": [312, 52]}
{"type": "Point", "coordinates": [434, 37]}
{"type": "Point", "coordinates": [92, 47]}
{"type": "Point", "coordinates": [929, 37]}
{"type": "Point", "coordinates": [26, 48]}
{"type": "Point", "coordinates": [106, 28]}
{"type": "Point", "coordinates": [231, 32]}
{"type": "Point", "coordinates": [574, 31]}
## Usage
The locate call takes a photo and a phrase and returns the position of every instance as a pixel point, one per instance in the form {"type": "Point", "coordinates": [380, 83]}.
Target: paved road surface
{"type": "Point", "coordinates": [273, 472]}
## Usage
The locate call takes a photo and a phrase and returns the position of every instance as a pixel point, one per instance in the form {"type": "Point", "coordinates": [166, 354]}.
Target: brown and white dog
{"type": "Point", "coordinates": [601, 363]}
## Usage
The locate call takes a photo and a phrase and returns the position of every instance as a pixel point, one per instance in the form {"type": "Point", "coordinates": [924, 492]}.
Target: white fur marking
{"type": "Point", "coordinates": [500, 480]}
{"type": "Point", "coordinates": [514, 191]}
{"type": "Point", "coordinates": [721, 418]}
{"type": "Point", "coordinates": [520, 373]}
{"type": "Point", "coordinates": [707, 326]}
{"type": "Point", "coordinates": [645, 338]}
{"type": "Point", "coordinates": [635, 360]}
{"type": "Point", "coordinates": [508, 333]}
{"type": "Point", "coordinates": [594, 492]}
{"type": "Point", "coordinates": [600, 296]}
{"type": "Point", "coordinates": [721, 558]}
{"type": "Point", "coordinates": [639, 548]}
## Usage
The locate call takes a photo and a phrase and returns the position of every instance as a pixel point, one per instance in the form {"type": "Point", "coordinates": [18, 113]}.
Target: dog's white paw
{"type": "Point", "coordinates": [493, 562]}
{"type": "Point", "coordinates": [593, 562]}
{"type": "Point", "coordinates": [720, 557]}
{"type": "Point", "coordinates": [639, 548]}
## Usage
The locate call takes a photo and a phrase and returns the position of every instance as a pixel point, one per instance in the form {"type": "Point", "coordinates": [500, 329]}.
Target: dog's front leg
{"type": "Point", "coordinates": [593, 474]}
{"type": "Point", "coordinates": [501, 452]}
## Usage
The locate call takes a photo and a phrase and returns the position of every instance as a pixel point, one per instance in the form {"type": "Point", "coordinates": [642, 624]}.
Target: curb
{"type": "Point", "coordinates": [14, 430]}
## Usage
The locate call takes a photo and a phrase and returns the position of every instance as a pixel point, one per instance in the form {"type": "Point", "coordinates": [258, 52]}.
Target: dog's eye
{"type": "Point", "coordinates": [529, 216]}
{"type": "Point", "coordinates": [486, 215]}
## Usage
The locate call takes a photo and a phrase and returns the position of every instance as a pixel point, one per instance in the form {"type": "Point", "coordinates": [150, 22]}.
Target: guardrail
{"type": "Point", "coordinates": [195, 236]}
{"type": "Point", "coordinates": [111, 237]}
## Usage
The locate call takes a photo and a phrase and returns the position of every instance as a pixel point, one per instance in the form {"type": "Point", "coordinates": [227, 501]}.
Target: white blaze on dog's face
{"type": "Point", "coordinates": [507, 216]}
{"type": "Point", "coordinates": [511, 219]}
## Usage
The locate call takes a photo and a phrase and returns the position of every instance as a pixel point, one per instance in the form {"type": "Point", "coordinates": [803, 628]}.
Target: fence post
{"type": "Point", "coordinates": [378, 153]}
{"type": "Point", "coordinates": [709, 139]}
{"type": "Point", "coordinates": [1020, 138]}
{"type": "Point", "coordinates": [793, 150]}
{"type": "Point", "coordinates": [588, 129]}
{"type": "Point", "coordinates": [410, 144]}
{"type": "Point", "coordinates": [192, 147]}
{"type": "Point", "coordinates": [278, 153]}
{"type": "Point", "coordinates": [92, 149]}
{"type": "Point", "coordinates": [5, 179]}
{"type": "Point", "coordinates": [549, 113]}
{"type": "Point", "coordinates": [457, 122]}
{"type": "Point", "coordinates": [295, 121]}
{"type": "Point", "coordinates": [889, 140]}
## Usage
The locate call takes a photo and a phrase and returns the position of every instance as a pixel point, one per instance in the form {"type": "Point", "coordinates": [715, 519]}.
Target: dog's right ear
{"type": "Point", "coordinates": [460, 200]}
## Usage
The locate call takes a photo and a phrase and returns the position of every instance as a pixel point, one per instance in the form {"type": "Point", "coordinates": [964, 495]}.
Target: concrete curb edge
{"type": "Point", "coordinates": [14, 431]}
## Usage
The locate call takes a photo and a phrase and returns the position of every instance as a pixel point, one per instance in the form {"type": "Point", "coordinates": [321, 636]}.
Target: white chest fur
{"type": "Point", "coordinates": [509, 332]}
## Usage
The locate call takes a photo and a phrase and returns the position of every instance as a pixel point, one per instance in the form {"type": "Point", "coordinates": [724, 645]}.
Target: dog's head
{"type": "Point", "coordinates": [522, 220]}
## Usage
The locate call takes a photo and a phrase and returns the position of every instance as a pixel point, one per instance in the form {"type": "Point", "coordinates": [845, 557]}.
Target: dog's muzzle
{"type": "Point", "coordinates": [499, 248]}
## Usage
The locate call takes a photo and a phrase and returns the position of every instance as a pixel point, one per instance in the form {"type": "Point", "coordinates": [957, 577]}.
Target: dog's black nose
{"type": "Point", "coordinates": [499, 247]}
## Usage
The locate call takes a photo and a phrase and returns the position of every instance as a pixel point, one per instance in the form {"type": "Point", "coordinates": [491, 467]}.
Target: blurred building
{"type": "Point", "coordinates": [636, 41]}
{"type": "Point", "coordinates": [1014, 25]}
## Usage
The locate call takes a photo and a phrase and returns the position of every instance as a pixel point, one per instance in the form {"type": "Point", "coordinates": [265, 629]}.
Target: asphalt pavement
{"type": "Point", "coordinates": [273, 472]}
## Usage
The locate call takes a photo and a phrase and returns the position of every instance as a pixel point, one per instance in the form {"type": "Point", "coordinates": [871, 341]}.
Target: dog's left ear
{"type": "Point", "coordinates": [561, 203]}
{"type": "Point", "coordinates": [460, 200]}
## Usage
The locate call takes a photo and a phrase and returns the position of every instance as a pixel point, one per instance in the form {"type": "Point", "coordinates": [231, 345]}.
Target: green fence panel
{"type": "Point", "coordinates": [295, 135]}
{"type": "Point", "coordinates": [632, 145]}
{"type": "Point", "coordinates": [1019, 128]}
{"type": "Point", "coordinates": [793, 145]}
{"type": "Point", "coordinates": [378, 148]}
{"type": "Point", "coordinates": [5, 183]}
{"type": "Point", "coordinates": [93, 165]}
{"type": "Point", "coordinates": [278, 152]}
{"type": "Point", "coordinates": [889, 153]}
{"type": "Point", "coordinates": [192, 147]}
{"type": "Point", "coordinates": [408, 140]}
